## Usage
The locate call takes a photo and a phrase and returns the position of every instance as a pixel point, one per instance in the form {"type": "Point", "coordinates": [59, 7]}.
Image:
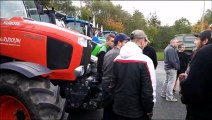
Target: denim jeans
{"type": "Point", "coordinates": [168, 85]}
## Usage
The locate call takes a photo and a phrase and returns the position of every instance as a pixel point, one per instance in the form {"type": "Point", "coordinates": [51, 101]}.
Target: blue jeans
{"type": "Point", "coordinates": [168, 85]}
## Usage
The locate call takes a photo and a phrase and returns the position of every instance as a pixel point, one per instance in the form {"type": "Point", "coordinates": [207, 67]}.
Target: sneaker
{"type": "Point", "coordinates": [163, 95]}
{"type": "Point", "coordinates": [171, 99]}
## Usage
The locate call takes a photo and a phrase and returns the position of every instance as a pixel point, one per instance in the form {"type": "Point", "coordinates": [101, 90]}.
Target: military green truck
{"type": "Point", "coordinates": [188, 41]}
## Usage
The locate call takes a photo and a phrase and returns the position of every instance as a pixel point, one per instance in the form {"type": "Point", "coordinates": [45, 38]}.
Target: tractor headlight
{"type": "Point", "coordinates": [82, 41]}
{"type": "Point", "coordinates": [79, 71]}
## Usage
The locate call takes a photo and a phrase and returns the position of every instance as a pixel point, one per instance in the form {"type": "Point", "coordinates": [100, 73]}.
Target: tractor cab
{"type": "Point", "coordinates": [102, 35]}
{"type": "Point", "coordinates": [25, 9]}
{"type": "Point", "coordinates": [86, 28]}
{"type": "Point", "coordinates": [82, 26]}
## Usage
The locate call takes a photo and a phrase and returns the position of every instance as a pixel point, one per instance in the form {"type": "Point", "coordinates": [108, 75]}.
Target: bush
{"type": "Point", "coordinates": [160, 55]}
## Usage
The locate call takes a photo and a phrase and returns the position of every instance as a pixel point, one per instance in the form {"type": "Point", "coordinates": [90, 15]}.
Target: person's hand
{"type": "Point", "coordinates": [182, 76]}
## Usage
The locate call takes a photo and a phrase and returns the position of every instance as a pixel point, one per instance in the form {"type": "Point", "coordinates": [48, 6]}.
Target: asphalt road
{"type": "Point", "coordinates": [163, 110]}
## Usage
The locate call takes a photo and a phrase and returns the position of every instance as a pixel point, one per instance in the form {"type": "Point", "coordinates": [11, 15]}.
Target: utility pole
{"type": "Point", "coordinates": [202, 26]}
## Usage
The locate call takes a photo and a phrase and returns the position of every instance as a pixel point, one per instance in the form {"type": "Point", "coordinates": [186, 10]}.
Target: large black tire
{"type": "Point", "coordinates": [40, 97]}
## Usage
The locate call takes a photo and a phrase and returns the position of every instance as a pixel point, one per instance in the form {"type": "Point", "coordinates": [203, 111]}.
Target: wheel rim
{"type": "Point", "coordinates": [12, 109]}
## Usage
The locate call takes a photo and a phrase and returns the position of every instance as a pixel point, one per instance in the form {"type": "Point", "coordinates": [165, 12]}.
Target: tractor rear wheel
{"type": "Point", "coordinates": [22, 98]}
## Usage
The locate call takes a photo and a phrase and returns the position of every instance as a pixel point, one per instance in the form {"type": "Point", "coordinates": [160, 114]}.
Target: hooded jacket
{"type": "Point", "coordinates": [134, 82]}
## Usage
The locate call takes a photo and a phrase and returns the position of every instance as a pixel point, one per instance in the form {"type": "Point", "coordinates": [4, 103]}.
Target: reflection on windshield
{"type": "Point", "coordinates": [45, 18]}
{"type": "Point", "coordinates": [11, 9]}
{"type": "Point", "coordinates": [75, 26]}
{"type": "Point", "coordinates": [32, 10]}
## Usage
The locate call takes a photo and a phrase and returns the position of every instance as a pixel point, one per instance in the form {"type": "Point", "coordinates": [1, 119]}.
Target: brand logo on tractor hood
{"type": "Point", "coordinates": [11, 23]}
{"type": "Point", "coordinates": [10, 41]}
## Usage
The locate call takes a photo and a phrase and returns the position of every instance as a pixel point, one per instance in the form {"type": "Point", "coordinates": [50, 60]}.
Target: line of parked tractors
{"type": "Point", "coordinates": [47, 68]}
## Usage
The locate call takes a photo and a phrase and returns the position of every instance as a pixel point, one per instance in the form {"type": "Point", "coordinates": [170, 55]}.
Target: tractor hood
{"type": "Point", "coordinates": [43, 28]}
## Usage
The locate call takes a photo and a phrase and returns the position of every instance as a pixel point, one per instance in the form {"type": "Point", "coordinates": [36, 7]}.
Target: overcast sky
{"type": "Point", "coordinates": [168, 11]}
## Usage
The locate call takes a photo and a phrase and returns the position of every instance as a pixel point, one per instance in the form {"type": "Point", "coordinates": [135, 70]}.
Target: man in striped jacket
{"type": "Point", "coordinates": [134, 80]}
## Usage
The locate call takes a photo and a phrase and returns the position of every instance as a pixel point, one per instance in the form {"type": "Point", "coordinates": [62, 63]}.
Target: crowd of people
{"type": "Point", "coordinates": [126, 67]}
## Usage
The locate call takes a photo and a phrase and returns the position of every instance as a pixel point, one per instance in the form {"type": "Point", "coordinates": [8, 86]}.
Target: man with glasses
{"type": "Point", "coordinates": [171, 65]}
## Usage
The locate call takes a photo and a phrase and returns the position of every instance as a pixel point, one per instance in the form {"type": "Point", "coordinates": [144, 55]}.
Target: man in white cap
{"type": "Point", "coordinates": [134, 80]}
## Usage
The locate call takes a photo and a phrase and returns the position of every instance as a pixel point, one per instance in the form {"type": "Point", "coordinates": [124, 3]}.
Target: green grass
{"type": "Point", "coordinates": [160, 55]}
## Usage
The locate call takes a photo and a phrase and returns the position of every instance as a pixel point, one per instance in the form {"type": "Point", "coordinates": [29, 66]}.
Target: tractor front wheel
{"type": "Point", "coordinates": [29, 99]}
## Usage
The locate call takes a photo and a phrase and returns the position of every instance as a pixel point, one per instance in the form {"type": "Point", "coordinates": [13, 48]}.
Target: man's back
{"type": "Point", "coordinates": [108, 61]}
{"type": "Point", "coordinates": [151, 53]}
{"type": "Point", "coordinates": [134, 74]}
{"type": "Point", "coordinates": [171, 58]}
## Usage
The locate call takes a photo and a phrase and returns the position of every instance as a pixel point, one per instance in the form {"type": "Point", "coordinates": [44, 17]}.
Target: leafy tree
{"type": "Point", "coordinates": [64, 6]}
{"type": "Point", "coordinates": [164, 35]}
{"type": "Point", "coordinates": [153, 20]}
{"type": "Point", "coordinates": [86, 13]}
{"type": "Point", "coordinates": [182, 26]}
{"type": "Point", "coordinates": [208, 16]}
{"type": "Point", "coordinates": [153, 24]}
{"type": "Point", "coordinates": [136, 21]}
{"type": "Point", "coordinates": [110, 24]}
{"type": "Point", "coordinates": [197, 27]}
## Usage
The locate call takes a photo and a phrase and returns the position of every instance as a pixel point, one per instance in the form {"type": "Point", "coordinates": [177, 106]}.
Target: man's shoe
{"type": "Point", "coordinates": [171, 99]}
{"type": "Point", "coordinates": [163, 95]}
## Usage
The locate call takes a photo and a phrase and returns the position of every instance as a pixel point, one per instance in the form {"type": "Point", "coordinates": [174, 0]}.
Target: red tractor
{"type": "Point", "coordinates": [45, 69]}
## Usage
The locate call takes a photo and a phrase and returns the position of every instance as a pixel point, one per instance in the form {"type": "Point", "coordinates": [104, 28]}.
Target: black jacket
{"type": "Point", "coordinates": [134, 80]}
{"type": "Point", "coordinates": [184, 60]}
{"type": "Point", "coordinates": [196, 89]}
{"type": "Point", "coordinates": [151, 53]}
{"type": "Point", "coordinates": [104, 49]}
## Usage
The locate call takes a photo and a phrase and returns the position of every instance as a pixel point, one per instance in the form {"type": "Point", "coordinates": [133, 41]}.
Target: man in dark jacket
{"type": "Point", "coordinates": [151, 53]}
{"type": "Point", "coordinates": [184, 60]}
{"type": "Point", "coordinates": [107, 69]}
{"type": "Point", "coordinates": [196, 88]}
{"type": "Point", "coordinates": [134, 80]}
{"type": "Point", "coordinates": [104, 49]}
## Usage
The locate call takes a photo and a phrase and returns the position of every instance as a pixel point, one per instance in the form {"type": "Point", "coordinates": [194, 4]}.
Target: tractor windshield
{"type": "Point", "coordinates": [26, 9]}
{"type": "Point", "coordinates": [76, 26]}
{"type": "Point", "coordinates": [11, 9]}
{"type": "Point", "coordinates": [32, 10]}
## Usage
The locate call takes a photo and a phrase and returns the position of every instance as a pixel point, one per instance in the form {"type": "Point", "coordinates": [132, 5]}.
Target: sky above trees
{"type": "Point", "coordinates": [167, 11]}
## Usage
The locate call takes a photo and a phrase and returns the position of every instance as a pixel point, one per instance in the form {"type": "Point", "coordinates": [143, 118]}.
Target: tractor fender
{"type": "Point", "coordinates": [28, 69]}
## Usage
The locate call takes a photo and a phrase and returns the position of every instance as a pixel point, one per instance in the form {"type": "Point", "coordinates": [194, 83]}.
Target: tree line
{"type": "Point", "coordinates": [113, 17]}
